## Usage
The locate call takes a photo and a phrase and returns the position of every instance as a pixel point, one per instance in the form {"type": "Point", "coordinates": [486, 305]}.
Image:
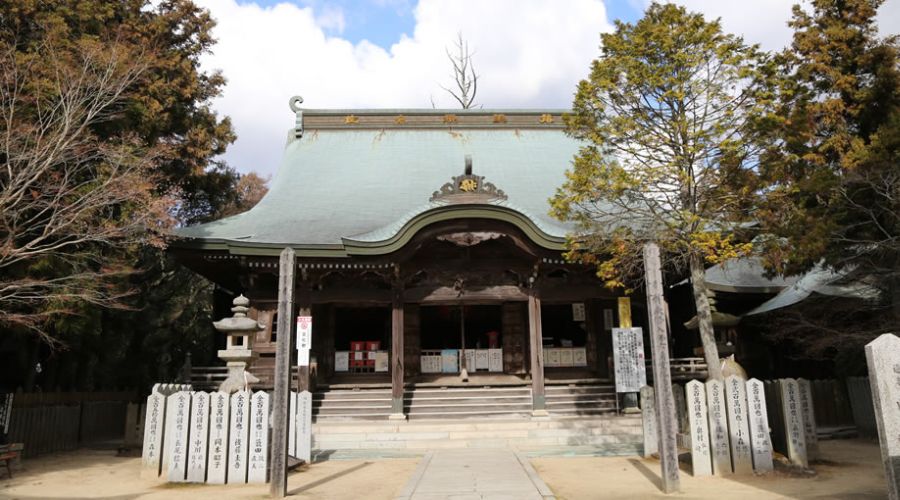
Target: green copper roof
{"type": "Point", "coordinates": [339, 186]}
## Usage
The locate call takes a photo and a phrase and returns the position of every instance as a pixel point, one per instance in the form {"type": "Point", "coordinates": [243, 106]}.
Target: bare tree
{"type": "Point", "coordinates": [67, 198]}
{"type": "Point", "coordinates": [464, 75]}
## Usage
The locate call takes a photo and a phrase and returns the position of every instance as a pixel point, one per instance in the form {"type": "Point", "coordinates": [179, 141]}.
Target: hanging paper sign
{"type": "Point", "coordinates": [578, 311]}
{"type": "Point", "coordinates": [628, 357]}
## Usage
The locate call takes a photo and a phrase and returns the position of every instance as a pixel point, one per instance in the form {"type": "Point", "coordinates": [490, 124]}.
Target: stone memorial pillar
{"type": "Point", "coordinates": [760, 442]}
{"type": "Point", "coordinates": [809, 418]}
{"type": "Point", "coordinates": [220, 406]}
{"type": "Point", "coordinates": [198, 446]}
{"type": "Point", "coordinates": [718, 427]}
{"type": "Point", "coordinates": [304, 426]}
{"type": "Point", "coordinates": [795, 433]}
{"type": "Point", "coordinates": [649, 418]}
{"type": "Point", "coordinates": [238, 436]}
{"type": "Point", "coordinates": [883, 358]}
{"type": "Point", "coordinates": [154, 424]}
{"type": "Point", "coordinates": [738, 428]}
{"type": "Point", "coordinates": [699, 428]}
{"type": "Point", "coordinates": [177, 428]}
{"type": "Point", "coordinates": [259, 438]}
{"type": "Point", "coordinates": [680, 408]}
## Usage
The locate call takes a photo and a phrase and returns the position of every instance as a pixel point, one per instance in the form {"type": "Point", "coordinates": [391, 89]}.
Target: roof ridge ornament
{"type": "Point", "coordinates": [468, 188]}
{"type": "Point", "coordinates": [294, 103]}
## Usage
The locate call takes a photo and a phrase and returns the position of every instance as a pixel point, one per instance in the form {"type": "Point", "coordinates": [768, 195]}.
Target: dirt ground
{"type": "Point", "coordinates": [100, 474]}
{"type": "Point", "coordinates": [849, 470]}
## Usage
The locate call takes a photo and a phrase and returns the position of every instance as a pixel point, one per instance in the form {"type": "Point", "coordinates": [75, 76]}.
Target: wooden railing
{"type": "Point", "coordinates": [683, 368]}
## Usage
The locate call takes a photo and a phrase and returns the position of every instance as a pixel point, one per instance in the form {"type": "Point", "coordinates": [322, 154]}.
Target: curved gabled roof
{"type": "Point", "coordinates": [347, 183]}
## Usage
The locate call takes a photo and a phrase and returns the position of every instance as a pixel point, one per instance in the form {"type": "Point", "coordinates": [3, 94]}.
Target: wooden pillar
{"type": "Point", "coordinates": [397, 355]}
{"type": "Point", "coordinates": [536, 344]}
{"type": "Point", "coordinates": [662, 376]}
{"type": "Point", "coordinates": [280, 401]}
{"type": "Point", "coordinates": [304, 308]}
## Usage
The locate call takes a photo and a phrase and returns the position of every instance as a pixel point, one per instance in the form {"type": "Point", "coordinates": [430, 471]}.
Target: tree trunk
{"type": "Point", "coordinates": [704, 317]}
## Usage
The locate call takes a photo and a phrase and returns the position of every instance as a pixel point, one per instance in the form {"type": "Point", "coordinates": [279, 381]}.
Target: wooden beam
{"type": "Point", "coordinates": [538, 400]}
{"type": "Point", "coordinates": [397, 351]}
{"type": "Point", "coordinates": [280, 401]}
{"type": "Point", "coordinates": [450, 295]}
{"type": "Point", "coordinates": [662, 376]}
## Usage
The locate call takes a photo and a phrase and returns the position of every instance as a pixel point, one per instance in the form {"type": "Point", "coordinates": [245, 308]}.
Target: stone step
{"type": "Point", "coordinates": [515, 423]}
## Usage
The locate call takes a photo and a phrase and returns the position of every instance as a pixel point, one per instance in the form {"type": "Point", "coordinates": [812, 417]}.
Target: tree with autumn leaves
{"type": "Point", "coordinates": [666, 116]}
{"type": "Point", "coordinates": [108, 140]}
{"type": "Point", "coordinates": [830, 173]}
{"type": "Point", "coordinates": [702, 143]}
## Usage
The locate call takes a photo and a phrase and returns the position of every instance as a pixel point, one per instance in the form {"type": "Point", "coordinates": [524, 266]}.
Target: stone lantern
{"type": "Point", "coordinates": [238, 354]}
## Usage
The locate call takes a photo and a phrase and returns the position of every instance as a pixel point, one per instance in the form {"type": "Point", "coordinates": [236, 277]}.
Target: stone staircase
{"type": "Point", "coordinates": [463, 402]}
{"type": "Point", "coordinates": [609, 434]}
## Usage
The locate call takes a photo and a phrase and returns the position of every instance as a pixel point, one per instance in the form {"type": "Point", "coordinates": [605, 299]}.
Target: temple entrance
{"type": "Point", "coordinates": [445, 329]}
{"type": "Point", "coordinates": [361, 338]}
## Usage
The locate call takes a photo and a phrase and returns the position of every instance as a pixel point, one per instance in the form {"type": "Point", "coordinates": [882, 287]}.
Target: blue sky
{"type": "Point", "coordinates": [383, 22]}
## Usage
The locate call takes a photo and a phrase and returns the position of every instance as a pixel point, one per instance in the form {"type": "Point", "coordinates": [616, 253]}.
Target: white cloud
{"type": "Point", "coordinates": [528, 53]}
{"type": "Point", "coordinates": [765, 21]}
{"type": "Point", "coordinates": [332, 18]}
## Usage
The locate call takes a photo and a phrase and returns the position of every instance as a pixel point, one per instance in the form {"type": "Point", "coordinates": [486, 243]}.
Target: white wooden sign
{"type": "Point", "coordinates": [259, 438]}
{"type": "Point", "coordinates": [237, 443]}
{"type": "Point", "coordinates": [551, 357]}
{"type": "Point", "coordinates": [760, 442]}
{"type": "Point", "coordinates": [795, 433]}
{"type": "Point", "coordinates": [177, 427]}
{"type": "Point", "coordinates": [883, 360]}
{"type": "Point", "coordinates": [482, 360]}
{"type": "Point", "coordinates": [578, 311]}
{"type": "Point", "coordinates": [220, 407]}
{"type": "Point", "coordinates": [304, 339]}
{"type": "Point", "coordinates": [718, 427]}
{"type": "Point", "coordinates": [154, 420]}
{"type": "Point", "coordinates": [470, 360]}
{"type": "Point", "coordinates": [292, 424]}
{"type": "Point", "coordinates": [579, 356]}
{"type": "Point", "coordinates": [382, 361]}
{"type": "Point", "coordinates": [699, 428]}
{"type": "Point", "coordinates": [342, 361]}
{"type": "Point", "coordinates": [648, 414]}
{"type": "Point", "coordinates": [739, 429]}
{"type": "Point", "coordinates": [567, 357]}
{"type": "Point", "coordinates": [628, 357]}
{"type": "Point", "coordinates": [196, 469]}
{"type": "Point", "coordinates": [495, 360]}
{"type": "Point", "coordinates": [304, 426]}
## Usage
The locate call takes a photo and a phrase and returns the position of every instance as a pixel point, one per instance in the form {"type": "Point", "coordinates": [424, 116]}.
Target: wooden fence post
{"type": "Point", "coordinates": [662, 376]}
{"type": "Point", "coordinates": [280, 399]}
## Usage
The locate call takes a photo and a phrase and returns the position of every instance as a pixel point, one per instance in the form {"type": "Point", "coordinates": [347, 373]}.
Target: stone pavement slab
{"type": "Point", "coordinates": [475, 474]}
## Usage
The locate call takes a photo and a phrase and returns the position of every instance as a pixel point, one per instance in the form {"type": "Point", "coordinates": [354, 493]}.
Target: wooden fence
{"type": "Point", "coordinates": [59, 421]}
